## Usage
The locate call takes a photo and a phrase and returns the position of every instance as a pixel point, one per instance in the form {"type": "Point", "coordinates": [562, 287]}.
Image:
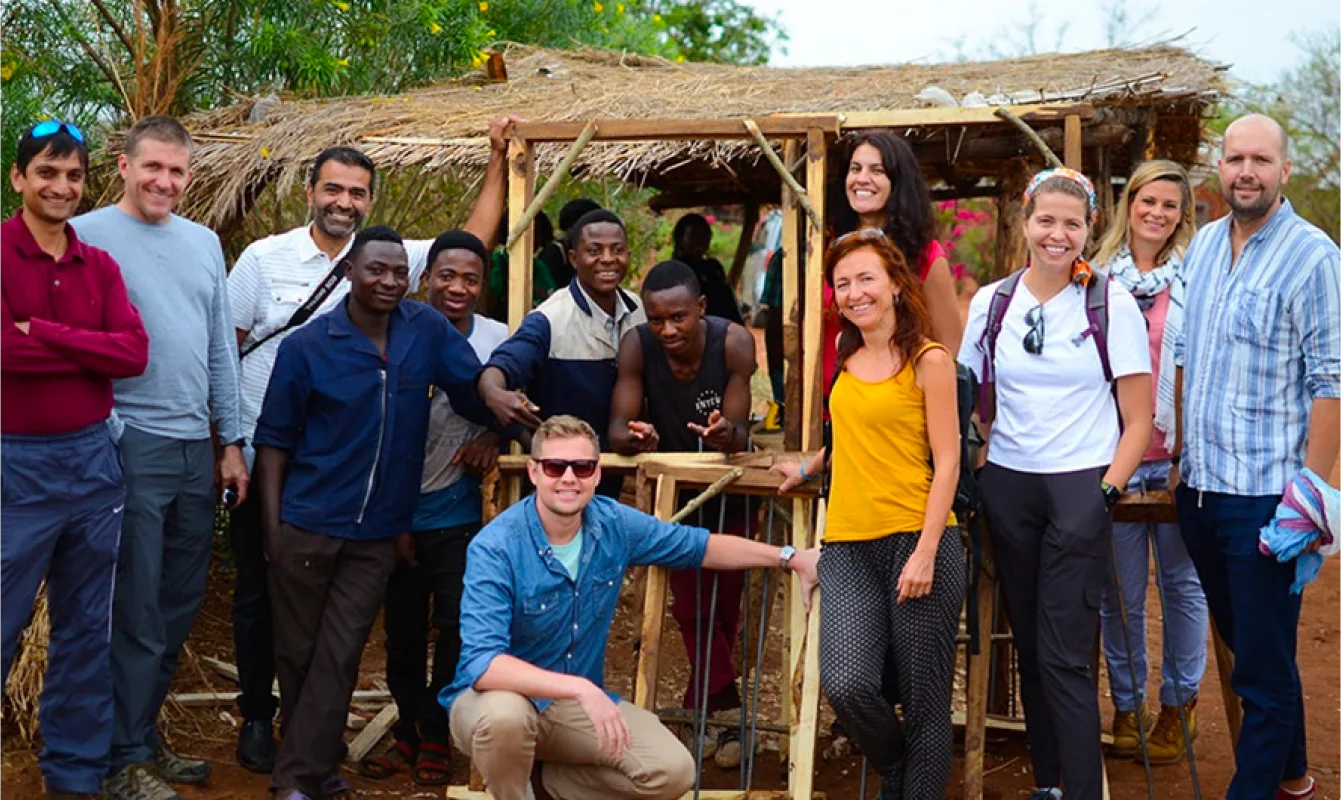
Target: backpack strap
{"type": "Point", "coordinates": [1096, 312]}
{"type": "Point", "coordinates": [996, 312]}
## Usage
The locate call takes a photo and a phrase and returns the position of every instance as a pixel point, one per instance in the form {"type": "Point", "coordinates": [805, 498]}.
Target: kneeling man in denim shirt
{"type": "Point", "coordinates": [542, 581]}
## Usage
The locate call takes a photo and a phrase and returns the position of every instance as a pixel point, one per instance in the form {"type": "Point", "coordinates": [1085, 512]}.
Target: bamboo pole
{"type": "Point", "coordinates": [1032, 136]}
{"type": "Point", "coordinates": [552, 184]}
{"type": "Point", "coordinates": [787, 177]}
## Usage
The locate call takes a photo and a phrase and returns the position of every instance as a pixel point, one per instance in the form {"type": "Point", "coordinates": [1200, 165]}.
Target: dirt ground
{"type": "Point", "coordinates": [210, 732]}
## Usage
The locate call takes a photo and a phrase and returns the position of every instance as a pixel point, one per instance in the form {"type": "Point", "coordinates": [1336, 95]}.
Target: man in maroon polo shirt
{"type": "Point", "coordinates": [67, 328]}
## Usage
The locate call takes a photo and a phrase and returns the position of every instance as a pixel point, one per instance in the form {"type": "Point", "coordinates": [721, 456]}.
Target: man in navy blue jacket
{"type": "Point", "coordinates": [565, 354]}
{"type": "Point", "coordinates": [339, 453]}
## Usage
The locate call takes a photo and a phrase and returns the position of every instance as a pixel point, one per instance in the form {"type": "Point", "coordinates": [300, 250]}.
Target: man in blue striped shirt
{"type": "Point", "coordinates": [1259, 374]}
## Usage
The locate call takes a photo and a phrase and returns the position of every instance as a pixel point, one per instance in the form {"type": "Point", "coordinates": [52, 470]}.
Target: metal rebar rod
{"type": "Point", "coordinates": [764, 605]}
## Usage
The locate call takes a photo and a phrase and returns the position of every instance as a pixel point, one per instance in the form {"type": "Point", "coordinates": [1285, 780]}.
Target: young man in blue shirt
{"type": "Point", "coordinates": [339, 454]}
{"type": "Point", "coordinates": [542, 582]}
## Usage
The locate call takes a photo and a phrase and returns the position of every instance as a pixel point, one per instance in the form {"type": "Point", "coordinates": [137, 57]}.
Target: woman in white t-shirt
{"type": "Point", "coordinates": [1143, 251]}
{"type": "Point", "coordinates": [1056, 452]}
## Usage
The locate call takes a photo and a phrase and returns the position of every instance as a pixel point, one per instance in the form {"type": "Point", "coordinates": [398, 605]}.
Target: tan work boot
{"type": "Point", "coordinates": [1126, 739]}
{"type": "Point", "coordinates": [1165, 742]}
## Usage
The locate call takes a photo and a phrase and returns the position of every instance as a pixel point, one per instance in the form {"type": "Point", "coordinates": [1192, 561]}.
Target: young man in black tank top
{"type": "Point", "coordinates": [684, 386]}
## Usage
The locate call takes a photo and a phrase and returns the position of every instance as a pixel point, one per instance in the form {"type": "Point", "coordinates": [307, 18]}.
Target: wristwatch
{"type": "Point", "coordinates": [785, 558]}
{"type": "Point", "coordinates": [1111, 494]}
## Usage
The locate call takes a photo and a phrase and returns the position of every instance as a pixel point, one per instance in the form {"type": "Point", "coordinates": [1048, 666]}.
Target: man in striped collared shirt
{"type": "Point", "coordinates": [1260, 373]}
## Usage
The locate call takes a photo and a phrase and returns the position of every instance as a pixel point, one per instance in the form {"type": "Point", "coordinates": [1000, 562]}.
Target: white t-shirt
{"type": "Point", "coordinates": [1054, 411]}
{"type": "Point", "coordinates": [447, 430]}
{"type": "Point", "coordinates": [270, 280]}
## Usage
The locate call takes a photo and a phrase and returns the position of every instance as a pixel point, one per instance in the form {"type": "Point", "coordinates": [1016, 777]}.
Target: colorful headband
{"type": "Point", "coordinates": [1070, 175]}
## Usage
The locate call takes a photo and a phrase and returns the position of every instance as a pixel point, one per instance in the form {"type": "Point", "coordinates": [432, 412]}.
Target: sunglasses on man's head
{"type": "Point", "coordinates": [861, 234]}
{"type": "Point", "coordinates": [53, 126]}
{"type": "Point", "coordinates": [1033, 339]}
{"type": "Point", "coordinates": [556, 467]}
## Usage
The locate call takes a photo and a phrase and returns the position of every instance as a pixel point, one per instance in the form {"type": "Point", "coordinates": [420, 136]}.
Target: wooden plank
{"type": "Point", "coordinates": [812, 284]}
{"type": "Point", "coordinates": [754, 481]}
{"type": "Point", "coordinates": [805, 674]}
{"type": "Point", "coordinates": [975, 715]}
{"type": "Point", "coordinates": [516, 463]}
{"type": "Point", "coordinates": [980, 115]}
{"type": "Point", "coordinates": [654, 611]}
{"type": "Point", "coordinates": [776, 127]}
{"type": "Point", "coordinates": [464, 793]}
{"type": "Point", "coordinates": [521, 190]}
{"type": "Point", "coordinates": [1071, 149]}
{"type": "Point", "coordinates": [791, 305]}
{"type": "Point", "coordinates": [1004, 724]}
{"type": "Point", "coordinates": [200, 699]}
{"type": "Point", "coordinates": [372, 734]}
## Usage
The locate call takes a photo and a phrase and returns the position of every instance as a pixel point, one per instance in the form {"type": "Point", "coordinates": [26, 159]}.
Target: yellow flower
{"type": "Point", "coordinates": [597, 7]}
{"type": "Point", "coordinates": [477, 59]}
{"type": "Point", "coordinates": [619, 9]}
{"type": "Point", "coordinates": [491, 32]}
{"type": "Point", "coordinates": [484, 7]}
{"type": "Point", "coordinates": [6, 72]}
{"type": "Point", "coordinates": [656, 18]}
{"type": "Point", "coordinates": [340, 4]}
{"type": "Point", "coordinates": [344, 62]}
{"type": "Point", "coordinates": [680, 59]}
{"type": "Point", "coordinates": [265, 152]}
{"type": "Point", "coordinates": [434, 28]}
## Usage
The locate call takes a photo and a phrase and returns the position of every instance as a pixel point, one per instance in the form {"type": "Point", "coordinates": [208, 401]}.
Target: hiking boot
{"type": "Point", "coordinates": [728, 740]}
{"type": "Point", "coordinates": [138, 782]}
{"type": "Point", "coordinates": [1165, 743]}
{"type": "Point", "coordinates": [1126, 739]}
{"type": "Point", "coordinates": [176, 769]}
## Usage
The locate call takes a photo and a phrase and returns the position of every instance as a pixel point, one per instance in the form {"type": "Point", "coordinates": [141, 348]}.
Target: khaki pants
{"type": "Point", "coordinates": [504, 734]}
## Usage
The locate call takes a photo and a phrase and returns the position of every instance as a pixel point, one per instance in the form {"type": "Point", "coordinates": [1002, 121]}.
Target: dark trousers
{"type": "Point", "coordinates": [1258, 618]}
{"type": "Point", "coordinates": [691, 606]}
{"type": "Point", "coordinates": [253, 633]}
{"type": "Point", "coordinates": [1053, 535]}
{"type": "Point", "coordinates": [325, 593]}
{"type": "Point", "coordinates": [160, 579]}
{"type": "Point", "coordinates": [435, 582]}
{"type": "Point", "coordinates": [866, 635]}
{"type": "Point", "coordinates": [61, 509]}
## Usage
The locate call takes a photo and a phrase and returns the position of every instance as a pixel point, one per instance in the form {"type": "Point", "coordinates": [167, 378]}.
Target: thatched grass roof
{"type": "Point", "coordinates": [441, 126]}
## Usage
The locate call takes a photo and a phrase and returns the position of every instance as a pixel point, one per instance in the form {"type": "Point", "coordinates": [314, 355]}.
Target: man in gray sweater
{"type": "Point", "coordinates": [174, 273]}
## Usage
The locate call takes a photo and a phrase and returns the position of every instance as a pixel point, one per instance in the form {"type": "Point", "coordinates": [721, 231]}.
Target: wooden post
{"type": "Point", "coordinates": [975, 713]}
{"type": "Point", "coordinates": [791, 305]}
{"type": "Point", "coordinates": [654, 611]}
{"type": "Point", "coordinates": [813, 380]}
{"type": "Point", "coordinates": [1010, 245]}
{"type": "Point", "coordinates": [1224, 665]}
{"type": "Point", "coordinates": [1102, 166]}
{"type": "Point", "coordinates": [521, 190]}
{"type": "Point", "coordinates": [1071, 152]}
{"type": "Point", "coordinates": [802, 690]}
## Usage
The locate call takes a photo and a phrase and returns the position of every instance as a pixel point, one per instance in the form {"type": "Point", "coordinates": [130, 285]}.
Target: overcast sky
{"type": "Point", "coordinates": [1252, 36]}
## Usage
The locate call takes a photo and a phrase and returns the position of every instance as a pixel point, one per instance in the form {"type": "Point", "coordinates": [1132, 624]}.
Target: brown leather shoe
{"type": "Point", "coordinates": [1165, 743]}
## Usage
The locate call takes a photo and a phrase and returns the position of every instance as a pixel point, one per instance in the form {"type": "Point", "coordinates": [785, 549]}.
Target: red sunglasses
{"type": "Point", "coordinates": [556, 467]}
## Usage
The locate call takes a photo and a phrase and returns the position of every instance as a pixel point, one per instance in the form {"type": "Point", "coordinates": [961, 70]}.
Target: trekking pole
{"type": "Point", "coordinates": [1131, 669]}
{"type": "Point", "coordinates": [1168, 650]}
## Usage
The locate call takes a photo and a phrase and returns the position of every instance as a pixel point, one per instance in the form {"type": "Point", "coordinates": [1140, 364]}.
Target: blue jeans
{"type": "Point", "coordinates": [1250, 601]}
{"type": "Point", "coordinates": [1185, 613]}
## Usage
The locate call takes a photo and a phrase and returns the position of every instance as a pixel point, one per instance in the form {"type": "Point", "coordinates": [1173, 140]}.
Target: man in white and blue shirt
{"type": "Point", "coordinates": [1260, 369]}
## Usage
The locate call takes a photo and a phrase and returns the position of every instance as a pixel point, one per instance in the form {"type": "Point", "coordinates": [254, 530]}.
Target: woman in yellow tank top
{"type": "Point", "coordinates": [892, 571]}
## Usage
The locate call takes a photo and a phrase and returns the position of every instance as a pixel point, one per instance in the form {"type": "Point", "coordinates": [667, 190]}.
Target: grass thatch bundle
{"type": "Point", "coordinates": [24, 691]}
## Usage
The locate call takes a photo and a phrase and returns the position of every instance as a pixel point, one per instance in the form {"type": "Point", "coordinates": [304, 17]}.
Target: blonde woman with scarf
{"type": "Point", "coordinates": [1143, 250]}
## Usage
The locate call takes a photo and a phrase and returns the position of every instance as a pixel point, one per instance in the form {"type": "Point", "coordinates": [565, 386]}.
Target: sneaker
{"type": "Point", "coordinates": [176, 769]}
{"type": "Point", "coordinates": [1307, 793]}
{"type": "Point", "coordinates": [1126, 739]}
{"type": "Point", "coordinates": [1165, 743]}
{"type": "Point", "coordinates": [138, 782]}
{"type": "Point", "coordinates": [728, 742]}
{"type": "Point", "coordinates": [1048, 793]}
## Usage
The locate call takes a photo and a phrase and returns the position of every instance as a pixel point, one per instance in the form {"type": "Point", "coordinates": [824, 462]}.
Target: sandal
{"type": "Point", "coordinates": [336, 788]}
{"type": "Point", "coordinates": [399, 757]}
{"type": "Point", "coordinates": [432, 765]}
